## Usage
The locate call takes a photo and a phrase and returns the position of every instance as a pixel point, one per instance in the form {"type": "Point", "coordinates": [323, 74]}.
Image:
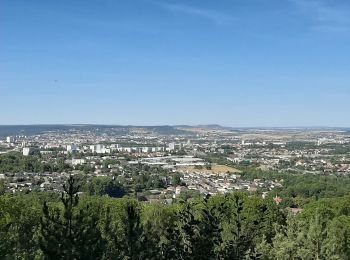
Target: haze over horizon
{"type": "Point", "coordinates": [181, 125]}
{"type": "Point", "coordinates": [276, 63]}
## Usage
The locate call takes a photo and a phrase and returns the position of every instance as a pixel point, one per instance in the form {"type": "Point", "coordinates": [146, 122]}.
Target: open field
{"type": "Point", "coordinates": [218, 169]}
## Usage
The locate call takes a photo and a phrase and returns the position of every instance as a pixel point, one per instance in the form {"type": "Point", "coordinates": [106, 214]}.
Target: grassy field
{"type": "Point", "coordinates": [224, 169]}
{"type": "Point", "coordinates": [218, 169]}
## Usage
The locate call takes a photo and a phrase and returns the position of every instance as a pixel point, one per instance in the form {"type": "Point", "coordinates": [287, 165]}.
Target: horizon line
{"type": "Point", "coordinates": [171, 125]}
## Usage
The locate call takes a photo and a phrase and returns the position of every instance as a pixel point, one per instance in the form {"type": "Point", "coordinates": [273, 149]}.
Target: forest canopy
{"type": "Point", "coordinates": [234, 226]}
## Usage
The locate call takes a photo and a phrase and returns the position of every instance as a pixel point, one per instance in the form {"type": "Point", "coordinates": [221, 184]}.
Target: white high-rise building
{"type": "Point", "coordinates": [9, 139]}
{"type": "Point", "coordinates": [99, 148]}
{"type": "Point", "coordinates": [72, 148]}
{"type": "Point", "coordinates": [171, 146]}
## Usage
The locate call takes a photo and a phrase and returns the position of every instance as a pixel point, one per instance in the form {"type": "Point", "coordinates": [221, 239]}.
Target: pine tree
{"type": "Point", "coordinates": [263, 249]}
{"type": "Point", "coordinates": [211, 228]}
{"type": "Point", "coordinates": [287, 242]}
{"type": "Point", "coordinates": [315, 238]}
{"type": "Point", "coordinates": [134, 238]}
{"type": "Point", "coordinates": [237, 245]}
{"type": "Point", "coordinates": [183, 235]}
{"type": "Point", "coordinates": [70, 232]}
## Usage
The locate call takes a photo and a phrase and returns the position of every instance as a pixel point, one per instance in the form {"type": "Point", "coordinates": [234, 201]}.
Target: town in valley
{"type": "Point", "coordinates": [165, 163]}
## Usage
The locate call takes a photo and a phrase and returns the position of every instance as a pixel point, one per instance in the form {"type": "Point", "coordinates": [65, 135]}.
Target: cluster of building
{"type": "Point", "coordinates": [211, 183]}
{"type": "Point", "coordinates": [27, 182]}
{"type": "Point", "coordinates": [315, 151]}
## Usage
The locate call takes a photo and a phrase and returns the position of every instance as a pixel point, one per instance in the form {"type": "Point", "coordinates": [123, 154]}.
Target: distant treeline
{"type": "Point", "coordinates": [8, 130]}
{"type": "Point", "coordinates": [299, 188]}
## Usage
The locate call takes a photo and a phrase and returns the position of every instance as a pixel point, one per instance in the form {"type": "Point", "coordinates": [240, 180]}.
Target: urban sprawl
{"type": "Point", "coordinates": [160, 167]}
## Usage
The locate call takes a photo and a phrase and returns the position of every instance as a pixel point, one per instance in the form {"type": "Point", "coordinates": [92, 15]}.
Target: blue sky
{"type": "Point", "coordinates": [154, 62]}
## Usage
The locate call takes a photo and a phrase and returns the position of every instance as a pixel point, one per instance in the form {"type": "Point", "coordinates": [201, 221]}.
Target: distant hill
{"type": "Point", "coordinates": [207, 127]}
{"type": "Point", "coordinates": [6, 130]}
{"type": "Point", "coordinates": [204, 128]}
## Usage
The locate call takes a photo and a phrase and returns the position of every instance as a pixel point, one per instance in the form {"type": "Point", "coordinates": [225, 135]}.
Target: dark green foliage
{"type": "Point", "coordinates": [234, 226]}
{"type": "Point", "coordinates": [182, 234]}
{"type": "Point", "coordinates": [212, 216]}
{"type": "Point", "coordinates": [134, 237]}
{"type": "Point", "coordinates": [320, 232]}
{"type": "Point", "coordinates": [304, 187]}
{"type": "Point", "coordinates": [143, 177]}
{"type": "Point", "coordinates": [176, 179]}
{"type": "Point", "coordinates": [19, 223]}
{"type": "Point", "coordinates": [104, 186]}
{"type": "Point", "coordinates": [16, 162]}
{"type": "Point", "coordinates": [213, 228]}
{"type": "Point", "coordinates": [189, 194]}
{"type": "Point", "coordinates": [70, 232]}
{"type": "Point", "coordinates": [237, 242]}
{"type": "Point", "coordinates": [2, 187]}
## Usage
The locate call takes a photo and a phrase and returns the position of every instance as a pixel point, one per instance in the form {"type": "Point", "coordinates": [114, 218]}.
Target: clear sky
{"type": "Point", "coordinates": [153, 62]}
